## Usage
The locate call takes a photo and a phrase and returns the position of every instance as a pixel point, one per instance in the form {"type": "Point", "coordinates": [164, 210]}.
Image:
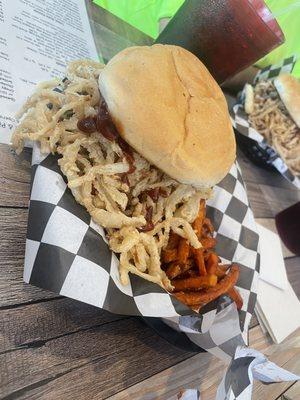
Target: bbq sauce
{"type": "Point", "coordinates": [148, 217]}
{"type": "Point", "coordinates": [103, 124]}
{"type": "Point", "coordinates": [87, 125]}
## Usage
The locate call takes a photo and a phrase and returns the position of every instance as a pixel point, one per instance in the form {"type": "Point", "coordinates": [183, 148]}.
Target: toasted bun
{"type": "Point", "coordinates": [168, 107]}
{"type": "Point", "coordinates": [288, 88]}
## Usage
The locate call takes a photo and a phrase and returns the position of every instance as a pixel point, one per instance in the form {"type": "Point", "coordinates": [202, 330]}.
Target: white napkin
{"type": "Point", "coordinates": [277, 308]}
{"type": "Point", "coordinates": [272, 264]}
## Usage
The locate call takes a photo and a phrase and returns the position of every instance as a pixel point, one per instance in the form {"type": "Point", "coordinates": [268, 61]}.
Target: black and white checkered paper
{"type": "Point", "coordinates": [237, 383]}
{"type": "Point", "coordinates": [241, 122]}
{"type": "Point", "coordinates": [67, 253]}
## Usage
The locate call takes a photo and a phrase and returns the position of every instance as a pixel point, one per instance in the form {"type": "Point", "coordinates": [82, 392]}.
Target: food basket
{"type": "Point", "coordinates": [252, 143]}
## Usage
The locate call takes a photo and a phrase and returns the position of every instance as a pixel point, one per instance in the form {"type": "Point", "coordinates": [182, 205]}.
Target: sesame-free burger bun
{"type": "Point", "coordinates": [288, 88]}
{"type": "Point", "coordinates": [167, 106]}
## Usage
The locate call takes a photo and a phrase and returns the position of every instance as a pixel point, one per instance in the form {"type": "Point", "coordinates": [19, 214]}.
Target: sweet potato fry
{"type": "Point", "coordinates": [205, 296]}
{"type": "Point", "coordinates": [212, 263]}
{"type": "Point", "coordinates": [199, 282]}
{"type": "Point", "coordinates": [221, 270]}
{"type": "Point", "coordinates": [207, 225]}
{"type": "Point", "coordinates": [208, 243]}
{"type": "Point", "coordinates": [236, 297]}
{"type": "Point", "coordinates": [198, 223]}
{"type": "Point", "coordinates": [173, 241]}
{"type": "Point", "coordinates": [206, 254]}
{"type": "Point", "coordinates": [175, 268]}
{"type": "Point", "coordinates": [199, 259]}
{"type": "Point", "coordinates": [169, 255]}
{"type": "Point", "coordinates": [183, 251]}
{"type": "Point", "coordinates": [190, 273]}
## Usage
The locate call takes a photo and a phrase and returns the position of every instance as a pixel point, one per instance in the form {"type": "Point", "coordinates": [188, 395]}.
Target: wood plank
{"type": "Point", "coordinates": [267, 201]}
{"type": "Point", "coordinates": [258, 203]}
{"type": "Point", "coordinates": [279, 198]}
{"type": "Point", "coordinates": [95, 363]}
{"type": "Point", "coordinates": [269, 223]}
{"type": "Point", "coordinates": [13, 224]}
{"type": "Point", "coordinates": [293, 393]}
{"type": "Point", "coordinates": [14, 177]}
{"type": "Point", "coordinates": [205, 372]}
{"type": "Point", "coordinates": [202, 371]}
{"type": "Point", "coordinates": [32, 324]}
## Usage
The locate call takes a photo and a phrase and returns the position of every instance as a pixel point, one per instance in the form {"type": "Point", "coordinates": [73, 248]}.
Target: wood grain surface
{"type": "Point", "coordinates": [205, 372]}
{"type": "Point", "coordinates": [13, 222]}
{"type": "Point", "coordinates": [108, 355]}
{"type": "Point", "coordinates": [57, 348]}
{"type": "Point", "coordinates": [293, 393]}
{"type": "Point", "coordinates": [14, 177]}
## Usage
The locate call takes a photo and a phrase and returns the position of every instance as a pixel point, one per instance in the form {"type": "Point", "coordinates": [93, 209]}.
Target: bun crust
{"type": "Point", "coordinates": [168, 107]}
{"type": "Point", "coordinates": [288, 88]}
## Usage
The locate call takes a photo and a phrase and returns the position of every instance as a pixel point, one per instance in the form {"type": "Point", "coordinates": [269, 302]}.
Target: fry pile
{"type": "Point", "coordinates": [197, 276]}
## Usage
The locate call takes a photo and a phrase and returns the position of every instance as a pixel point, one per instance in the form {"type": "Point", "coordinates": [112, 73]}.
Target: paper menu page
{"type": "Point", "coordinates": [37, 39]}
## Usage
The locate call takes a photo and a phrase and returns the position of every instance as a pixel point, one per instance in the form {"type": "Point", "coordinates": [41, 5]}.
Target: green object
{"type": "Point", "coordinates": [287, 13]}
{"type": "Point", "coordinates": [142, 14]}
{"type": "Point", "coordinates": [146, 14]}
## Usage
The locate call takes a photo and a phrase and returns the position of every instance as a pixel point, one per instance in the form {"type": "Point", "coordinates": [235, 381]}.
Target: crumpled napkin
{"type": "Point", "coordinates": [237, 383]}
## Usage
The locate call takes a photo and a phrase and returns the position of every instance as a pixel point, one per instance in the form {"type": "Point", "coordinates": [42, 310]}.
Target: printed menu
{"type": "Point", "coordinates": [37, 39]}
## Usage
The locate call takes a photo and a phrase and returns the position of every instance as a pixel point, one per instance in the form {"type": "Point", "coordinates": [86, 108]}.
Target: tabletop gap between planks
{"type": "Point", "coordinates": [108, 349]}
{"type": "Point", "coordinates": [280, 397]}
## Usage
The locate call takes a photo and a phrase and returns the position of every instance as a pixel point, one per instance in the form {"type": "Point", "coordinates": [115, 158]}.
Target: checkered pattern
{"type": "Point", "coordinates": [68, 254]}
{"type": "Point", "coordinates": [245, 366]}
{"type": "Point", "coordinates": [272, 71]}
{"type": "Point", "coordinates": [241, 123]}
{"type": "Point", "coordinates": [60, 229]}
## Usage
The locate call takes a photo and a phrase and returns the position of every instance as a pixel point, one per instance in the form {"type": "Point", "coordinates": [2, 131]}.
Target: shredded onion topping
{"type": "Point", "coordinates": [95, 168]}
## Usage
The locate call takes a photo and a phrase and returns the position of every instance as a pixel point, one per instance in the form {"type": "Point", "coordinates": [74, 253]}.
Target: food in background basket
{"type": "Point", "coordinates": [142, 142]}
{"type": "Point", "coordinates": [274, 111]}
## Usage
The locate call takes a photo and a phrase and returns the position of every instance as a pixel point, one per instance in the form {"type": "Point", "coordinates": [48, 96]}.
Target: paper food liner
{"type": "Point", "coordinates": [67, 253]}
{"type": "Point", "coordinates": [241, 122]}
{"type": "Point", "coordinates": [237, 383]}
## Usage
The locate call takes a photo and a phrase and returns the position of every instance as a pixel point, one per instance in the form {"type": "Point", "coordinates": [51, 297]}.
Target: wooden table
{"type": "Point", "coordinates": [57, 348]}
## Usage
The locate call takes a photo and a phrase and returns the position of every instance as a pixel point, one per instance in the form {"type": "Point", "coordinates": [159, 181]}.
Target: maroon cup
{"type": "Point", "coordinates": [227, 35]}
{"type": "Point", "coordinates": [288, 227]}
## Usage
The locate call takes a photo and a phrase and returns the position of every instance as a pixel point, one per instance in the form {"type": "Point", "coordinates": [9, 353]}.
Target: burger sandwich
{"type": "Point", "coordinates": [142, 141]}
